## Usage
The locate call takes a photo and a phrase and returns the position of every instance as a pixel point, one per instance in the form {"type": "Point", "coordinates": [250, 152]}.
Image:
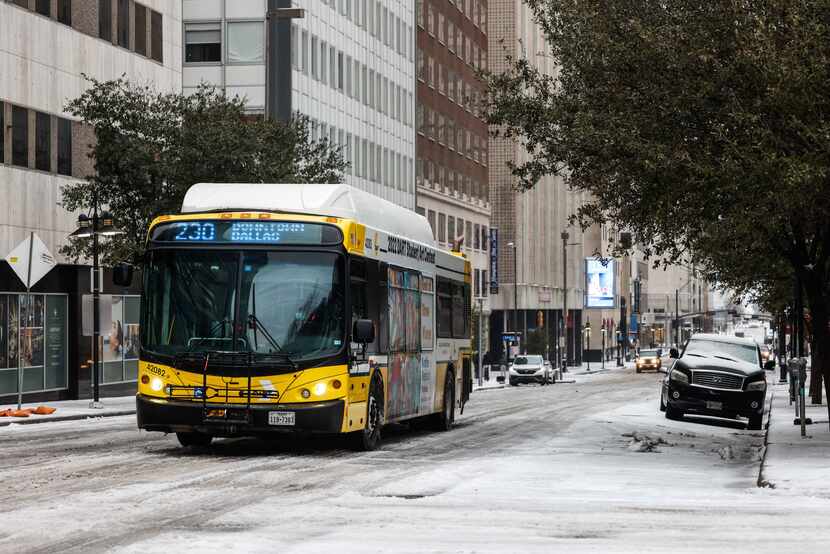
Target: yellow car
{"type": "Point", "coordinates": [649, 359]}
{"type": "Point", "coordinates": [766, 353]}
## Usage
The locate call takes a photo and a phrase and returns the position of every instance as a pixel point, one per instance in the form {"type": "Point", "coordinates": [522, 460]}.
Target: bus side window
{"type": "Point", "coordinates": [444, 311]}
{"type": "Point", "coordinates": [468, 315]}
{"type": "Point", "coordinates": [458, 311]}
{"type": "Point", "coordinates": [381, 296]}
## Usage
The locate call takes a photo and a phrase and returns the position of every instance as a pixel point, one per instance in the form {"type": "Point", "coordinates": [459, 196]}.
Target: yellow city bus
{"type": "Point", "coordinates": [313, 308]}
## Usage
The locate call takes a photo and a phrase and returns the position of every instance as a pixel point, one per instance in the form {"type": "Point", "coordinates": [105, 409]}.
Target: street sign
{"type": "Point", "coordinates": [31, 261]}
{"type": "Point", "coordinates": [42, 260]}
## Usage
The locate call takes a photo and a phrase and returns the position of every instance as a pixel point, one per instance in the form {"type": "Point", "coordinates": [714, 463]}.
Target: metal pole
{"type": "Point", "coordinates": [96, 316]}
{"type": "Point", "coordinates": [480, 342]}
{"type": "Point", "coordinates": [279, 86]}
{"type": "Point", "coordinates": [19, 321]}
{"type": "Point", "coordinates": [603, 348]}
{"type": "Point", "coordinates": [677, 317]}
{"type": "Point", "coordinates": [515, 290]}
{"type": "Point", "coordinates": [565, 237]}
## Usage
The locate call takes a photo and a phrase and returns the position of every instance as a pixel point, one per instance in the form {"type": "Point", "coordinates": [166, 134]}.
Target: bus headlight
{"type": "Point", "coordinates": [156, 384]}
{"type": "Point", "coordinates": [320, 389]}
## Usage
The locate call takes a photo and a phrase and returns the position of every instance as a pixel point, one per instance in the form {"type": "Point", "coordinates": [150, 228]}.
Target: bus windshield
{"type": "Point", "coordinates": [264, 302]}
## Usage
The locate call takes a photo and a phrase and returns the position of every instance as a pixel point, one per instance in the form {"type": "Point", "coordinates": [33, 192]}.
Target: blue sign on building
{"type": "Point", "coordinates": [494, 260]}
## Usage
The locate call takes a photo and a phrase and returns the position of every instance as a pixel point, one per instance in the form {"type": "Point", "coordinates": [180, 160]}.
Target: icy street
{"type": "Point", "coordinates": [585, 467]}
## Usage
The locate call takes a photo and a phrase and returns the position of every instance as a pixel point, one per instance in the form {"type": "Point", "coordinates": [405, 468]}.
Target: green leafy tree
{"type": "Point", "coordinates": [150, 147]}
{"type": "Point", "coordinates": [701, 127]}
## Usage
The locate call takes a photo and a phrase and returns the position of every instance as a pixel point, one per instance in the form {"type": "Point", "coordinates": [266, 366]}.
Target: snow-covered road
{"type": "Point", "coordinates": [585, 467]}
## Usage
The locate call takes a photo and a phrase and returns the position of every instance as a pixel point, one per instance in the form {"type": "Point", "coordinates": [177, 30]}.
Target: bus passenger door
{"type": "Point", "coordinates": [467, 378]}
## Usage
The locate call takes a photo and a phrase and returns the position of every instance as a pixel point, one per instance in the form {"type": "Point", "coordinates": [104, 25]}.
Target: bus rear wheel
{"type": "Point", "coordinates": [194, 439]}
{"type": "Point", "coordinates": [444, 421]}
{"type": "Point", "coordinates": [369, 438]}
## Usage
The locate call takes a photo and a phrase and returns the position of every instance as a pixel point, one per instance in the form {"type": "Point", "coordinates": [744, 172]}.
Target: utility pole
{"type": "Point", "coordinates": [565, 237]}
{"type": "Point", "coordinates": [677, 317]}
{"type": "Point", "coordinates": [278, 60]}
{"type": "Point", "coordinates": [480, 341]}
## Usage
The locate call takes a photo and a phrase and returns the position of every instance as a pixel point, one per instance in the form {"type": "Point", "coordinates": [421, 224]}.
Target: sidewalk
{"type": "Point", "coordinates": [796, 464]}
{"type": "Point", "coordinates": [68, 410]}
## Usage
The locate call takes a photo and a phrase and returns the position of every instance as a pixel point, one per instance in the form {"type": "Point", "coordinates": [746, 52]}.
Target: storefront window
{"type": "Point", "coordinates": [33, 335]}
{"type": "Point", "coordinates": [118, 343]}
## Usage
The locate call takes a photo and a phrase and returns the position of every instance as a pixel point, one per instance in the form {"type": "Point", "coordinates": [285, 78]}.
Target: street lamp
{"type": "Point", "coordinates": [603, 331]}
{"type": "Point", "coordinates": [587, 332]}
{"type": "Point", "coordinates": [94, 227]}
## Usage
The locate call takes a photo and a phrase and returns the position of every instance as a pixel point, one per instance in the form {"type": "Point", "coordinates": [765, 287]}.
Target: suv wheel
{"type": "Point", "coordinates": [756, 422]}
{"type": "Point", "coordinates": [673, 413]}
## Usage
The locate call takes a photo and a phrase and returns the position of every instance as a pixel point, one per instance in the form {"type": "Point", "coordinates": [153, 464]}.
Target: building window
{"type": "Point", "coordinates": [246, 42]}
{"type": "Point", "coordinates": [105, 19]}
{"type": "Point", "coordinates": [20, 136]}
{"type": "Point", "coordinates": [64, 146]}
{"type": "Point", "coordinates": [65, 12]}
{"type": "Point", "coordinates": [202, 43]}
{"type": "Point", "coordinates": [43, 141]}
{"type": "Point", "coordinates": [124, 23]}
{"type": "Point", "coordinates": [442, 227]}
{"type": "Point", "coordinates": [140, 30]}
{"type": "Point", "coordinates": [156, 37]}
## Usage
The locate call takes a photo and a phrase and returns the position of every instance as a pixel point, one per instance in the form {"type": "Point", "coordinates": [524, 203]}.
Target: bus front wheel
{"type": "Point", "coordinates": [194, 439]}
{"type": "Point", "coordinates": [369, 437]}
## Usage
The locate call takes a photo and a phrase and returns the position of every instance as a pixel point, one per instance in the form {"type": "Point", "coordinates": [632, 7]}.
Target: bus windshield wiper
{"type": "Point", "coordinates": [255, 324]}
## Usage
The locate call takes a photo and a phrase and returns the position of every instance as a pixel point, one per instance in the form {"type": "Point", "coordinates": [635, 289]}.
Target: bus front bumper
{"type": "Point", "coordinates": [170, 416]}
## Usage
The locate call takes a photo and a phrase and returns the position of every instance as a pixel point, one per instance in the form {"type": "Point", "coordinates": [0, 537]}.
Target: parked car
{"type": "Point", "coordinates": [648, 359]}
{"type": "Point", "coordinates": [530, 368]}
{"type": "Point", "coordinates": [716, 375]}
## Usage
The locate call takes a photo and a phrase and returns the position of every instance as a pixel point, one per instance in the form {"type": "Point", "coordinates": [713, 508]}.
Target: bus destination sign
{"type": "Point", "coordinates": [246, 232]}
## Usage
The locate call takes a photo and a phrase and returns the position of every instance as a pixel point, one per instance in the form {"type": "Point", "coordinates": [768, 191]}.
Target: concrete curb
{"type": "Point", "coordinates": [761, 482]}
{"type": "Point", "coordinates": [66, 418]}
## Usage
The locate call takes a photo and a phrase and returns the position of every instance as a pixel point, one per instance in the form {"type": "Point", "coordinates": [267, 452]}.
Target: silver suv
{"type": "Point", "coordinates": [530, 368]}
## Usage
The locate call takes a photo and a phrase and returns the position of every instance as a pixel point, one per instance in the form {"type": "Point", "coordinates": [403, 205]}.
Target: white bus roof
{"type": "Point", "coordinates": [336, 200]}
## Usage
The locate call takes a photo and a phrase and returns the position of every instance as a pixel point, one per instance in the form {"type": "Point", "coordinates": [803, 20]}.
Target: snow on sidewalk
{"type": "Point", "coordinates": [68, 410]}
{"type": "Point", "coordinates": [797, 465]}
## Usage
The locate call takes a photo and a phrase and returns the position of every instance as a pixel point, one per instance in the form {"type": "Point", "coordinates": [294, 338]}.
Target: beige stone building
{"type": "Point", "coordinates": [530, 224]}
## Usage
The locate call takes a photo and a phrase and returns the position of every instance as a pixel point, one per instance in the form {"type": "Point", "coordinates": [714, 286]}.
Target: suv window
{"type": "Point", "coordinates": [528, 360]}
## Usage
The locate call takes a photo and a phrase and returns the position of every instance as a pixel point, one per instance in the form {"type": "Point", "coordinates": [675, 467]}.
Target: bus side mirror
{"type": "Point", "coordinates": [363, 331]}
{"type": "Point", "coordinates": [769, 365]}
{"type": "Point", "coordinates": [122, 275]}
{"type": "Point", "coordinates": [673, 353]}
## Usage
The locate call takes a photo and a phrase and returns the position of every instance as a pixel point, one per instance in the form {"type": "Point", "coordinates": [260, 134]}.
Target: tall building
{"type": "Point", "coordinates": [677, 297]}
{"type": "Point", "coordinates": [45, 48]}
{"type": "Point", "coordinates": [452, 160]}
{"type": "Point", "coordinates": [530, 250]}
{"type": "Point", "coordinates": [353, 76]}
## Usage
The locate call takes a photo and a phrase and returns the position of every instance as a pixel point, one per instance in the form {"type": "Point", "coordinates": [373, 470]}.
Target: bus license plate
{"type": "Point", "coordinates": [281, 418]}
{"type": "Point", "coordinates": [711, 405]}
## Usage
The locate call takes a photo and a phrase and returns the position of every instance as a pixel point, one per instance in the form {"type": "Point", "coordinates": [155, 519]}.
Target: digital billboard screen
{"type": "Point", "coordinates": [599, 283]}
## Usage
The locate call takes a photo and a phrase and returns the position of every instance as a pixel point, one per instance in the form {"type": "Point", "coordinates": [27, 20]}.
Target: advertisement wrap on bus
{"type": "Point", "coordinates": [299, 308]}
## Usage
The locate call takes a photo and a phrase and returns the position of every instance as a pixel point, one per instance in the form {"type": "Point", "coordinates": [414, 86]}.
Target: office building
{"type": "Point", "coordinates": [353, 75]}
{"type": "Point", "coordinates": [45, 48]}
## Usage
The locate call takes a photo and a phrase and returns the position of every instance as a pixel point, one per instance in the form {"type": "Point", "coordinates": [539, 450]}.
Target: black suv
{"type": "Point", "coordinates": [716, 375]}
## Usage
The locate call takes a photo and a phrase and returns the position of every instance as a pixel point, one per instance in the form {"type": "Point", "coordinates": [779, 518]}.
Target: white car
{"type": "Point", "coordinates": [531, 368]}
